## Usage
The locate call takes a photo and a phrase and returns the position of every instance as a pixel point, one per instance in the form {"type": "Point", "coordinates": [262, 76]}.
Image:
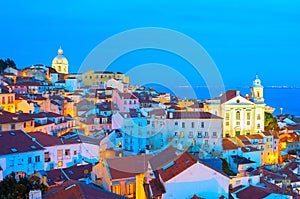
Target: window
{"type": "Point", "coordinates": [11, 163]}
{"type": "Point", "coordinates": [193, 125]}
{"type": "Point", "coordinates": [258, 117]}
{"type": "Point", "coordinates": [68, 153]}
{"type": "Point", "coordinates": [248, 115]}
{"type": "Point", "coordinates": [214, 134]}
{"type": "Point", "coordinates": [125, 102]}
{"type": "Point", "coordinates": [183, 125]}
{"type": "Point", "coordinates": [60, 164]}
{"type": "Point", "coordinates": [206, 142]}
{"type": "Point", "coordinates": [248, 123]}
{"type": "Point", "coordinates": [116, 189]}
{"type": "Point", "coordinates": [206, 135]}
{"type": "Point", "coordinates": [59, 154]}
{"type": "Point", "coordinates": [238, 115]}
{"type": "Point", "coordinates": [227, 116]}
{"type": "Point", "coordinates": [202, 124]}
{"type": "Point", "coordinates": [199, 135]}
{"type": "Point", "coordinates": [0, 128]}
{"type": "Point", "coordinates": [75, 153]}
{"type": "Point", "coordinates": [176, 134]}
{"type": "Point", "coordinates": [37, 158]}
{"type": "Point", "coordinates": [47, 157]}
{"type": "Point", "coordinates": [24, 124]}
{"type": "Point", "coordinates": [13, 126]}
{"type": "Point", "coordinates": [20, 161]}
{"type": "Point", "coordinates": [227, 123]}
{"type": "Point", "coordinates": [181, 134]}
{"type": "Point", "coordinates": [130, 188]}
{"type": "Point", "coordinates": [29, 160]}
{"type": "Point", "coordinates": [3, 100]}
{"type": "Point", "coordinates": [176, 123]}
{"type": "Point", "coordinates": [258, 126]}
{"type": "Point", "coordinates": [191, 134]}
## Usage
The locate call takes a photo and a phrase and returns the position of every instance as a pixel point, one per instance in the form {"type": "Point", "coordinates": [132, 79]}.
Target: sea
{"type": "Point", "coordinates": [287, 98]}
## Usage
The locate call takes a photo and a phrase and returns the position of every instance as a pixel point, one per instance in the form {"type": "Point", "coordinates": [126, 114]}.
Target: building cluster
{"type": "Point", "coordinates": [93, 135]}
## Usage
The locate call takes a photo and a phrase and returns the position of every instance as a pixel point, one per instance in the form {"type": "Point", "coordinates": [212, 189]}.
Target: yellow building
{"type": "Point", "coordinates": [60, 62]}
{"type": "Point", "coordinates": [91, 77]}
{"type": "Point", "coordinates": [241, 115]}
{"type": "Point", "coordinates": [7, 100]}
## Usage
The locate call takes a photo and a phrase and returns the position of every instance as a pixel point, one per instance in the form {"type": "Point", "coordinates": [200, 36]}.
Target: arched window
{"type": "Point", "coordinates": [238, 115]}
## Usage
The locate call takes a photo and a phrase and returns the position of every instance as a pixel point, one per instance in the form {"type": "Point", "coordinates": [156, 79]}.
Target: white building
{"type": "Point", "coordinates": [19, 153]}
{"type": "Point", "coordinates": [59, 152]}
{"type": "Point", "coordinates": [242, 115]}
{"type": "Point", "coordinates": [182, 176]}
{"type": "Point", "coordinates": [201, 130]}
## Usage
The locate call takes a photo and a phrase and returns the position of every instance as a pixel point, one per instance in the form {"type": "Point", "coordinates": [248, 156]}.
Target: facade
{"type": "Point", "coordinates": [125, 101]}
{"type": "Point", "coordinates": [242, 115]}
{"type": "Point", "coordinates": [119, 175]}
{"type": "Point", "coordinates": [7, 99]}
{"type": "Point", "coordinates": [60, 62]}
{"type": "Point", "coordinates": [133, 135]}
{"type": "Point", "coordinates": [23, 159]}
{"type": "Point", "coordinates": [199, 130]}
{"type": "Point", "coordinates": [100, 78]}
{"type": "Point", "coordinates": [183, 176]}
{"type": "Point", "coordinates": [59, 152]}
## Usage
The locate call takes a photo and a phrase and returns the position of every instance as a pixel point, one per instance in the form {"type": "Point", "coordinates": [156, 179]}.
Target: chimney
{"type": "Point", "coordinates": [237, 93]}
{"type": "Point", "coordinates": [171, 115]}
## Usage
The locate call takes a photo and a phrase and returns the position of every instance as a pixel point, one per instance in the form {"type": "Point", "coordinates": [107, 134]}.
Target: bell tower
{"type": "Point", "coordinates": [257, 91]}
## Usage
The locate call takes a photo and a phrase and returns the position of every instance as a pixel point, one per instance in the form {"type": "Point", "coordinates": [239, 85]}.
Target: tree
{"type": "Point", "coordinates": [11, 188]}
{"type": "Point", "coordinates": [270, 122]}
{"type": "Point", "coordinates": [6, 63]}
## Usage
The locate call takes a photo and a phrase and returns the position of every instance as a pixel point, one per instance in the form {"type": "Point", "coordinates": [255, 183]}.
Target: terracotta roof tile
{"type": "Point", "coordinates": [17, 142]}
{"type": "Point", "coordinates": [192, 115]}
{"type": "Point", "coordinates": [183, 162]}
{"type": "Point", "coordinates": [228, 144]}
{"type": "Point", "coordinates": [127, 166]}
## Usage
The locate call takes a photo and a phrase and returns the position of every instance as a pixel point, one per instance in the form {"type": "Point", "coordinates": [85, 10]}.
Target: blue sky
{"type": "Point", "coordinates": [242, 37]}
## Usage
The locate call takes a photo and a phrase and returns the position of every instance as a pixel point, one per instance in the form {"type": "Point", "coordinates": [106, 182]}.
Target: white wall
{"type": "Point", "coordinates": [197, 179]}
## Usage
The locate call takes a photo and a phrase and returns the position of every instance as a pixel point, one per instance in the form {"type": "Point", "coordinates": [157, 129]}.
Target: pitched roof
{"type": "Point", "coordinates": [253, 192]}
{"type": "Point", "coordinates": [177, 166]}
{"type": "Point", "coordinates": [192, 115]}
{"type": "Point", "coordinates": [241, 160]}
{"type": "Point", "coordinates": [49, 140]}
{"type": "Point", "coordinates": [126, 167]}
{"type": "Point", "coordinates": [73, 189]}
{"type": "Point", "coordinates": [75, 172]}
{"type": "Point", "coordinates": [17, 141]}
{"type": "Point", "coordinates": [164, 157]}
{"type": "Point", "coordinates": [228, 96]}
{"type": "Point", "coordinates": [228, 144]}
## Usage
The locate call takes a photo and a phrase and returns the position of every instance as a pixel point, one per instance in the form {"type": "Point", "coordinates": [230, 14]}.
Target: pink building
{"type": "Point", "coordinates": [125, 101]}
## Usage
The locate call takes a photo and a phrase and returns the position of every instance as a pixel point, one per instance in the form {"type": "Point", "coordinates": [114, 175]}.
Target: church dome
{"type": "Point", "coordinates": [60, 58]}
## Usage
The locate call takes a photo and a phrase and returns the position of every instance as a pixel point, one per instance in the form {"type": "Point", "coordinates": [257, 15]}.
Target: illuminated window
{"type": "Point", "coordinates": [59, 154]}
{"type": "Point", "coordinates": [130, 188]}
{"type": "Point", "coordinates": [116, 189]}
{"type": "Point", "coordinates": [227, 116]}
{"type": "Point", "coordinates": [238, 115]}
{"type": "Point", "coordinates": [181, 134]}
{"type": "Point", "coordinates": [60, 164]}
